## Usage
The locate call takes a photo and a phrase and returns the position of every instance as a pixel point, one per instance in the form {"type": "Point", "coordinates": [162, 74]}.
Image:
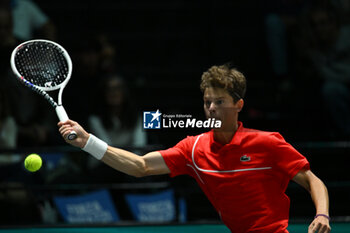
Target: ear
{"type": "Point", "coordinates": [240, 104]}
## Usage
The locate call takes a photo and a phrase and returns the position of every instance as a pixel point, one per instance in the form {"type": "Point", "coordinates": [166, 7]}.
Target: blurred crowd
{"type": "Point", "coordinates": [31, 121]}
{"type": "Point", "coordinates": [27, 120]}
{"type": "Point", "coordinates": [308, 44]}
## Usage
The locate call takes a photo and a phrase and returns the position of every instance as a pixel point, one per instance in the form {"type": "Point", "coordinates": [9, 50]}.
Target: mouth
{"type": "Point", "coordinates": [214, 117]}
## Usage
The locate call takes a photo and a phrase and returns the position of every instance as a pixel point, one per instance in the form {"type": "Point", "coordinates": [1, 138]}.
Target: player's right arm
{"type": "Point", "coordinates": [121, 160]}
{"type": "Point", "coordinates": [135, 165]}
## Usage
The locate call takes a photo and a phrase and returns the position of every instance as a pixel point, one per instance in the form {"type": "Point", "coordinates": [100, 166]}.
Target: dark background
{"type": "Point", "coordinates": [162, 49]}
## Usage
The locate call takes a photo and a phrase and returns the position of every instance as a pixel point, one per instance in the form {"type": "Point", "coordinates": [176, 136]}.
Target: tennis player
{"type": "Point", "coordinates": [243, 172]}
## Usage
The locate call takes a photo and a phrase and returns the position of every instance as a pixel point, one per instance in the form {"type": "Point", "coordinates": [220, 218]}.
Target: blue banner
{"type": "Point", "coordinates": [94, 207]}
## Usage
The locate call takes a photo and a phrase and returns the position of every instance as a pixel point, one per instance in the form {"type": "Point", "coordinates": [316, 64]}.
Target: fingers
{"type": "Point", "coordinates": [319, 227]}
{"type": "Point", "coordinates": [312, 228]}
{"type": "Point", "coordinates": [65, 129]}
{"type": "Point", "coordinates": [59, 124]}
{"type": "Point", "coordinates": [69, 122]}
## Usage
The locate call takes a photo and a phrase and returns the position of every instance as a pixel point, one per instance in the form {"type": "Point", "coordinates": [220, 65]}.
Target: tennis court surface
{"type": "Point", "coordinates": [187, 228]}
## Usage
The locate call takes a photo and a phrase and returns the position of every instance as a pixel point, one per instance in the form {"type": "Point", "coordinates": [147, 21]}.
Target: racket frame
{"type": "Point", "coordinates": [61, 112]}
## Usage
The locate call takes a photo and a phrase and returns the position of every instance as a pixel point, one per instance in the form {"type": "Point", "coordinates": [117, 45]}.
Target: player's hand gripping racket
{"type": "Point", "coordinates": [43, 66]}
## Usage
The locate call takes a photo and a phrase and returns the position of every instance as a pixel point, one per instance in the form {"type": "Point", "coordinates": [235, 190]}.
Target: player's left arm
{"type": "Point", "coordinates": [319, 195]}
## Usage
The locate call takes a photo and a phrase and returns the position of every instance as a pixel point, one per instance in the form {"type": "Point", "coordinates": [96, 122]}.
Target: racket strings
{"type": "Point", "coordinates": [42, 64]}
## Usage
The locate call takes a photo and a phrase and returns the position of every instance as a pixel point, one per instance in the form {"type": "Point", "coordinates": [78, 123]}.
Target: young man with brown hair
{"type": "Point", "coordinates": [243, 172]}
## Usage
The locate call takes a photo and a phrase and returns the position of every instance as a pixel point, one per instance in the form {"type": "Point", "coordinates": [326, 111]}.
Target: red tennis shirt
{"type": "Point", "coordinates": [245, 180]}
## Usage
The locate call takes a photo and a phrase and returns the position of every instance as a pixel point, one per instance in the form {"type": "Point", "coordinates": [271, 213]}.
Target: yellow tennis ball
{"type": "Point", "coordinates": [33, 162]}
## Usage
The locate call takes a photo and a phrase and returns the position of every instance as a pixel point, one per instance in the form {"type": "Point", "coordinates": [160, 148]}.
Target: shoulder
{"type": "Point", "coordinates": [260, 134]}
{"type": "Point", "coordinates": [188, 142]}
{"type": "Point", "coordinates": [261, 137]}
{"type": "Point", "coordinates": [28, 7]}
{"type": "Point", "coordinates": [190, 139]}
{"type": "Point", "coordinates": [23, 4]}
{"type": "Point", "coordinates": [94, 118]}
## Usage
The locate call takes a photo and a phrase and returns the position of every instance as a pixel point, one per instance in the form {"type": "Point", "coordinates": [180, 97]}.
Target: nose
{"type": "Point", "coordinates": [211, 107]}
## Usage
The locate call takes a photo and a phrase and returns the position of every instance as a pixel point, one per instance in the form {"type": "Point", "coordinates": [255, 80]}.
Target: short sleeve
{"type": "Point", "coordinates": [27, 17]}
{"type": "Point", "coordinates": [177, 157]}
{"type": "Point", "coordinates": [38, 18]}
{"type": "Point", "coordinates": [287, 159]}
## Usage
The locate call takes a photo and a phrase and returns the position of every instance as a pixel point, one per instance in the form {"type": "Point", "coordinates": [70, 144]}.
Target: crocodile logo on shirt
{"type": "Point", "coordinates": [245, 158]}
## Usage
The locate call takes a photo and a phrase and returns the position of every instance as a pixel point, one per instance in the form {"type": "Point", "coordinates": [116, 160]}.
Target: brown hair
{"type": "Point", "coordinates": [227, 78]}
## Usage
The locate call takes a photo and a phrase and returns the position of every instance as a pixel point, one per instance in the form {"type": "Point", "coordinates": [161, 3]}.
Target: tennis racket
{"type": "Point", "coordinates": [44, 66]}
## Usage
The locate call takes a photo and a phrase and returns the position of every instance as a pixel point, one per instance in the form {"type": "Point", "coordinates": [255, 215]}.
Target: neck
{"type": "Point", "coordinates": [224, 136]}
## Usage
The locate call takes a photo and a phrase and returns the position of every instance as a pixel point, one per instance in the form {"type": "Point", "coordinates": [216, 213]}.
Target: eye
{"type": "Point", "coordinates": [218, 102]}
{"type": "Point", "coordinates": [207, 103]}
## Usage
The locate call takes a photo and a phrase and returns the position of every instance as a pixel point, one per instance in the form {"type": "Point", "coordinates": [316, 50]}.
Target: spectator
{"type": "Point", "coordinates": [16, 205]}
{"type": "Point", "coordinates": [93, 57]}
{"type": "Point", "coordinates": [117, 121]}
{"type": "Point", "coordinates": [8, 126]}
{"type": "Point", "coordinates": [8, 129]}
{"type": "Point", "coordinates": [29, 19]}
{"type": "Point", "coordinates": [35, 123]}
{"type": "Point", "coordinates": [329, 53]}
{"type": "Point", "coordinates": [280, 24]}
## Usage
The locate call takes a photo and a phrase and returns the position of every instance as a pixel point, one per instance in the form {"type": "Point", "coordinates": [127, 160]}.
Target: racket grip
{"type": "Point", "coordinates": [61, 113]}
{"type": "Point", "coordinates": [62, 116]}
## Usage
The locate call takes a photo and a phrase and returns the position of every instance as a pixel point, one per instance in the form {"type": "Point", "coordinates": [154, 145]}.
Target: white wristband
{"type": "Point", "coordinates": [96, 147]}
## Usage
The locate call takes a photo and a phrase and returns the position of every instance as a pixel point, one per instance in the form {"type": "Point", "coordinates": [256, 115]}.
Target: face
{"type": "Point", "coordinates": [219, 104]}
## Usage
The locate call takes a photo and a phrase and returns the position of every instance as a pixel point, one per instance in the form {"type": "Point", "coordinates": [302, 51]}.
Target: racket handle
{"type": "Point", "coordinates": [62, 116]}
{"type": "Point", "coordinates": [72, 135]}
